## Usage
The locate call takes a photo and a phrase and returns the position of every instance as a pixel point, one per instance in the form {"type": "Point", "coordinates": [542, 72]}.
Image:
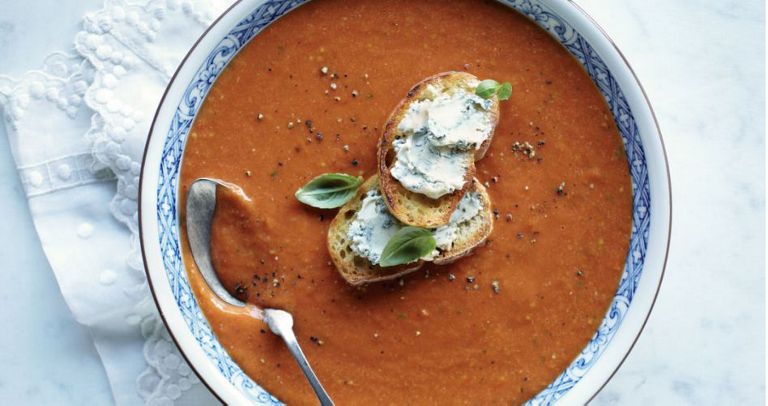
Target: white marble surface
{"type": "Point", "coordinates": [702, 64]}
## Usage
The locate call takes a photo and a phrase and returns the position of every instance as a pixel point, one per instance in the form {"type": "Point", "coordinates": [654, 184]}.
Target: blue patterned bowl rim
{"type": "Point", "coordinates": [569, 25]}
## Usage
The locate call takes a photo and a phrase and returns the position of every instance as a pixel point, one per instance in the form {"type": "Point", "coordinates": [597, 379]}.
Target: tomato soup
{"type": "Point", "coordinates": [310, 95]}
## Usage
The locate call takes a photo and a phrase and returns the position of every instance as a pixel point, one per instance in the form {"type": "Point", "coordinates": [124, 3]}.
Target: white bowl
{"type": "Point", "coordinates": [646, 259]}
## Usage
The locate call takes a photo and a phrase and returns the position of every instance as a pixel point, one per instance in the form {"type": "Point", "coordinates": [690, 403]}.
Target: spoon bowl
{"type": "Point", "coordinates": [201, 206]}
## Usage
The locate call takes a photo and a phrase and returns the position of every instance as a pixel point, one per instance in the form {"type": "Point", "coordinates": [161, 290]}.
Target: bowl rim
{"type": "Point", "coordinates": [227, 391]}
{"type": "Point", "coordinates": [660, 136]}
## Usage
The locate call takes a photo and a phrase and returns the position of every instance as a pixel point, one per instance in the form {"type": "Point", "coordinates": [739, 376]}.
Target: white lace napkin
{"type": "Point", "coordinates": [77, 129]}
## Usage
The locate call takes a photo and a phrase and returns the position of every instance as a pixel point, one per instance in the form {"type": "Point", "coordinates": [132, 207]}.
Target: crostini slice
{"type": "Point", "coordinates": [418, 209]}
{"type": "Point", "coordinates": [465, 235]}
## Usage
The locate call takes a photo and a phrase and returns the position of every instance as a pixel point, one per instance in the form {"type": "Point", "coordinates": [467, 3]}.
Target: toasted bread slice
{"type": "Point", "coordinates": [414, 208]}
{"type": "Point", "coordinates": [472, 234]}
{"type": "Point", "coordinates": [358, 271]}
{"type": "Point", "coordinates": [354, 269]}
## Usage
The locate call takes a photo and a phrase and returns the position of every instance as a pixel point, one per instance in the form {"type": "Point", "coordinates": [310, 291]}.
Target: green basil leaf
{"type": "Point", "coordinates": [505, 91]}
{"type": "Point", "coordinates": [329, 190]}
{"type": "Point", "coordinates": [407, 245]}
{"type": "Point", "coordinates": [487, 88]}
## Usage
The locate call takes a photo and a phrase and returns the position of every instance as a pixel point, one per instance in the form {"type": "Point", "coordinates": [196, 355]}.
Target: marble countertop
{"type": "Point", "coordinates": [702, 64]}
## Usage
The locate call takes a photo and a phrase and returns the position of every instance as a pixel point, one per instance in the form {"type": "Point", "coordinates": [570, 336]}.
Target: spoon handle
{"type": "Point", "coordinates": [293, 347]}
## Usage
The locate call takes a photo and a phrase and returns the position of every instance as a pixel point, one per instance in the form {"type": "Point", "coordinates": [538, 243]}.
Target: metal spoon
{"type": "Point", "coordinates": [201, 203]}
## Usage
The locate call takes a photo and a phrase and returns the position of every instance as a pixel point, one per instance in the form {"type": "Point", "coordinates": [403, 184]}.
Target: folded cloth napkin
{"type": "Point", "coordinates": [77, 129]}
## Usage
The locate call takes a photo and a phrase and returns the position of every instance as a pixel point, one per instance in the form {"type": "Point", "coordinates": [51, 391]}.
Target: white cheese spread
{"type": "Point", "coordinates": [440, 135]}
{"type": "Point", "coordinates": [469, 208]}
{"type": "Point", "coordinates": [424, 168]}
{"type": "Point", "coordinates": [373, 226]}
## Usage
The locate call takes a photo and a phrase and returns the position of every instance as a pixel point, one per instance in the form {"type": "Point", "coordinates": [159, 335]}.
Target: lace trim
{"type": "Point", "coordinates": [62, 81]}
{"type": "Point", "coordinates": [62, 173]}
{"type": "Point", "coordinates": [134, 49]}
{"type": "Point", "coordinates": [126, 53]}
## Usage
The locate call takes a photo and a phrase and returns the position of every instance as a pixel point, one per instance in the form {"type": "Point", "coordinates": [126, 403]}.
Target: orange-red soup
{"type": "Point", "coordinates": [557, 256]}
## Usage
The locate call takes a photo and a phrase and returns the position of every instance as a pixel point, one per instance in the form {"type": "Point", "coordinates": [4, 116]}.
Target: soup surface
{"type": "Point", "coordinates": [493, 328]}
